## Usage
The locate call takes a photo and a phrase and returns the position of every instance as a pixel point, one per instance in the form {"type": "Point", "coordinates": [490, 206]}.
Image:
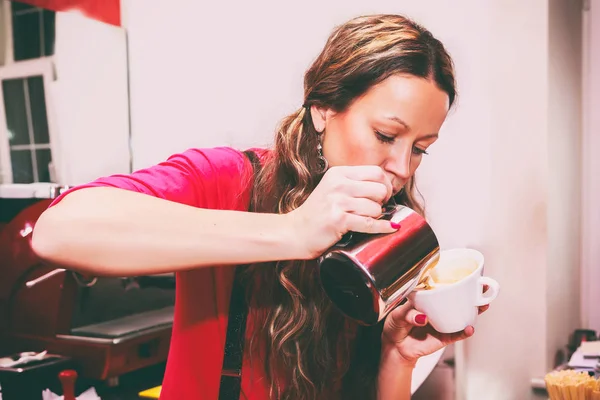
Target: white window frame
{"type": "Point", "coordinates": [18, 70]}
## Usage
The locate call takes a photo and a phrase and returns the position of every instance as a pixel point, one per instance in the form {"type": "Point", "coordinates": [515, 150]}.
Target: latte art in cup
{"type": "Point", "coordinates": [454, 290]}
{"type": "Point", "coordinates": [447, 272]}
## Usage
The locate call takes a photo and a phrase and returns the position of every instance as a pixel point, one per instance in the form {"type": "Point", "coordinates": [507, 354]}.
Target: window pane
{"type": "Point", "coordinates": [26, 36]}
{"type": "Point", "coordinates": [22, 166]}
{"type": "Point", "coordinates": [14, 105]}
{"type": "Point", "coordinates": [48, 30]}
{"type": "Point", "coordinates": [43, 158]}
{"type": "Point", "coordinates": [38, 109]}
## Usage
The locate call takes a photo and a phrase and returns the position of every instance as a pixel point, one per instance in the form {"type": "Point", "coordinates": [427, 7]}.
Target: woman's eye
{"type": "Point", "coordinates": [384, 138]}
{"type": "Point", "coordinates": [419, 151]}
{"type": "Point", "coordinates": [391, 139]}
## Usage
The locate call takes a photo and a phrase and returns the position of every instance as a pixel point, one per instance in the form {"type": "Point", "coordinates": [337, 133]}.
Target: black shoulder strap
{"type": "Point", "coordinates": [231, 373]}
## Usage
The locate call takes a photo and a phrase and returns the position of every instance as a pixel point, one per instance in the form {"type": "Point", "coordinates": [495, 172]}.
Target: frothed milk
{"type": "Point", "coordinates": [450, 271]}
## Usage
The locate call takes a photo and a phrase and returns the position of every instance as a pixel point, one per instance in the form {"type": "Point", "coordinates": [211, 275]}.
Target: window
{"type": "Point", "coordinates": [32, 30]}
{"type": "Point", "coordinates": [25, 123]}
{"type": "Point", "coordinates": [26, 120]}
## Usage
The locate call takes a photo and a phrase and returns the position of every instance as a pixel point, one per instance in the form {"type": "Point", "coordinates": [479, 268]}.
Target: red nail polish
{"type": "Point", "coordinates": [395, 225]}
{"type": "Point", "coordinates": [421, 319]}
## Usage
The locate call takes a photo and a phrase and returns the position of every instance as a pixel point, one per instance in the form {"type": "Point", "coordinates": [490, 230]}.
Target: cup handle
{"type": "Point", "coordinates": [486, 298]}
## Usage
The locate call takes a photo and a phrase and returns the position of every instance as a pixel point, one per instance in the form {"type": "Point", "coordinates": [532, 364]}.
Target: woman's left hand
{"type": "Point", "coordinates": [406, 330]}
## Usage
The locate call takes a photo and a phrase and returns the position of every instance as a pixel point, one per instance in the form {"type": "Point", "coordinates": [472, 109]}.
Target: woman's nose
{"type": "Point", "coordinates": [399, 163]}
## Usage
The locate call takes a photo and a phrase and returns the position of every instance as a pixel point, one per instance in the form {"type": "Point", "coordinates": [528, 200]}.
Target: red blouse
{"type": "Point", "coordinates": [214, 178]}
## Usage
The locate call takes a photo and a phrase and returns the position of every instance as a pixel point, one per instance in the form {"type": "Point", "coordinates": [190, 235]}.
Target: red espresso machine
{"type": "Point", "coordinates": [107, 326]}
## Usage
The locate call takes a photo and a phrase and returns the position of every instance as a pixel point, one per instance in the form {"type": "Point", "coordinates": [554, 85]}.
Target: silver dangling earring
{"type": "Point", "coordinates": [323, 164]}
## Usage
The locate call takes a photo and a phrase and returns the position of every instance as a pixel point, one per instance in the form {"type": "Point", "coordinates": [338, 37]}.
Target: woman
{"type": "Point", "coordinates": [375, 100]}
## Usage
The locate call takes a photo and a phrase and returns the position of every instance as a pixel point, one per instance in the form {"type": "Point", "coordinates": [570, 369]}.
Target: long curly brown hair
{"type": "Point", "coordinates": [309, 349]}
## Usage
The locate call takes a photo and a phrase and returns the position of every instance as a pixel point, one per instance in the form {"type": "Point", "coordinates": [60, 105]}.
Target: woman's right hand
{"type": "Point", "coordinates": [348, 198]}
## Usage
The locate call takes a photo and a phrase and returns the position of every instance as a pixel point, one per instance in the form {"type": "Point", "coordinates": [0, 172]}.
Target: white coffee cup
{"type": "Point", "coordinates": [451, 307]}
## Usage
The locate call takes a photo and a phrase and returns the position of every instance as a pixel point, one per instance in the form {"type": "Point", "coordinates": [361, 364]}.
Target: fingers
{"type": "Point", "coordinates": [405, 320]}
{"type": "Point", "coordinates": [445, 339]}
{"type": "Point", "coordinates": [375, 191]}
{"type": "Point", "coordinates": [405, 315]}
{"type": "Point", "coordinates": [415, 318]}
{"type": "Point", "coordinates": [396, 326]}
{"type": "Point", "coordinates": [369, 174]}
{"type": "Point", "coordinates": [401, 321]}
{"type": "Point", "coordinates": [361, 206]}
{"type": "Point", "coordinates": [483, 309]}
{"type": "Point", "coordinates": [372, 173]}
{"type": "Point", "coordinates": [458, 336]}
{"type": "Point", "coordinates": [359, 223]}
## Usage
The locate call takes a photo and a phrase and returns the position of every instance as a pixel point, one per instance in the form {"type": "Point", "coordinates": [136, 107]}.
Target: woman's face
{"type": "Point", "coordinates": [391, 125]}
